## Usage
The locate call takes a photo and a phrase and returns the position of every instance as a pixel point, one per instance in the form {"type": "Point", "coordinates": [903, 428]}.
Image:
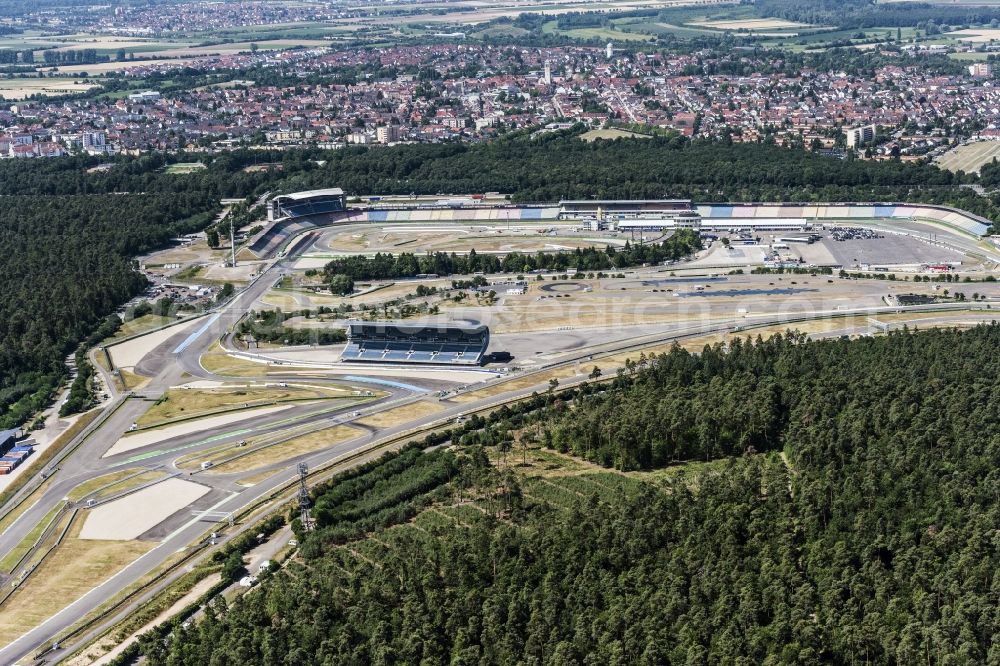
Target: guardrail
{"type": "Point", "coordinates": [25, 492]}
{"type": "Point", "coordinates": [46, 533]}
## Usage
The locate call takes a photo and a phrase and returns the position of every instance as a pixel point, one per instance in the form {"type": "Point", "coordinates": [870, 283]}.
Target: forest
{"type": "Point", "coordinates": [789, 501]}
{"type": "Point", "coordinates": [406, 264]}
{"type": "Point", "coordinates": [68, 265]}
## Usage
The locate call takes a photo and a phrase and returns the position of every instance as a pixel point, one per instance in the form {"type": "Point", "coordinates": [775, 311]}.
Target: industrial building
{"type": "Point", "coordinates": [303, 204]}
{"type": "Point", "coordinates": [438, 344]}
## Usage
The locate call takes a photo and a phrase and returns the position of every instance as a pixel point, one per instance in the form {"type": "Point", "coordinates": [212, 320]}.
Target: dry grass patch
{"type": "Point", "coordinates": [88, 487]}
{"type": "Point", "coordinates": [969, 157]}
{"type": "Point", "coordinates": [254, 479]}
{"type": "Point", "coordinates": [132, 380]}
{"type": "Point", "coordinates": [109, 487]}
{"type": "Point", "coordinates": [141, 324]}
{"type": "Point", "coordinates": [9, 518]}
{"type": "Point", "coordinates": [70, 571]}
{"type": "Point", "coordinates": [218, 362]}
{"type": "Point", "coordinates": [403, 414]}
{"type": "Point", "coordinates": [298, 446]}
{"type": "Point", "coordinates": [749, 24]}
{"type": "Point", "coordinates": [178, 403]}
{"type": "Point", "coordinates": [524, 382]}
{"type": "Point", "coordinates": [595, 134]}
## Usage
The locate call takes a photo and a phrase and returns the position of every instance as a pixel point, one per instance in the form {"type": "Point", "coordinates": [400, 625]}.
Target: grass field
{"type": "Point", "coordinates": [402, 414]}
{"type": "Point", "coordinates": [116, 482]}
{"type": "Point", "coordinates": [72, 570]}
{"type": "Point", "coordinates": [298, 446]}
{"type": "Point", "coordinates": [18, 551]}
{"type": "Point", "coordinates": [254, 479]}
{"type": "Point", "coordinates": [969, 157]}
{"type": "Point", "coordinates": [976, 35]}
{"type": "Point", "coordinates": [138, 325]}
{"type": "Point", "coordinates": [217, 361]}
{"type": "Point", "coordinates": [180, 403]}
{"type": "Point", "coordinates": [755, 25]}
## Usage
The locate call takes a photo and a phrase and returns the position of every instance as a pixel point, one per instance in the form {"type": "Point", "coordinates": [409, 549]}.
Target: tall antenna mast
{"type": "Point", "coordinates": [232, 239]}
{"type": "Point", "coordinates": [306, 518]}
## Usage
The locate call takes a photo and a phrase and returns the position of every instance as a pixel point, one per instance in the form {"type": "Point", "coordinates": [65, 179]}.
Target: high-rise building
{"type": "Point", "coordinates": [609, 50]}
{"type": "Point", "coordinates": [980, 69]}
{"type": "Point", "coordinates": [859, 135]}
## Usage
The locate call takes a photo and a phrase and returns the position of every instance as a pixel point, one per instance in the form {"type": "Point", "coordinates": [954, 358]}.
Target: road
{"type": "Point", "coordinates": [179, 356]}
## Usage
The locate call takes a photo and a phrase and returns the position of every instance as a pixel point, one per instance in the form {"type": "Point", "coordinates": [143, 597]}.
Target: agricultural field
{"type": "Point", "coordinates": [751, 25]}
{"type": "Point", "coordinates": [976, 35]}
{"type": "Point", "coordinates": [969, 157]}
{"type": "Point", "coordinates": [16, 89]}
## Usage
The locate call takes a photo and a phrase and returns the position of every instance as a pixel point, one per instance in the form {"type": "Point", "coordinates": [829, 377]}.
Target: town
{"type": "Point", "coordinates": [474, 92]}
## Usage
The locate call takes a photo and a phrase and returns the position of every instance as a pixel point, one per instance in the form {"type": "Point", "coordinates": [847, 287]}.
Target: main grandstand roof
{"type": "Point", "coordinates": [417, 329]}
{"type": "Point", "coordinates": [309, 194]}
{"type": "Point", "coordinates": [578, 202]}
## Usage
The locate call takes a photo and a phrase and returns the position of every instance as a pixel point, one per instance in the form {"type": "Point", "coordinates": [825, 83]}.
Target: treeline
{"type": "Point", "coordinates": [849, 14]}
{"type": "Point", "coordinates": [866, 529]}
{"type": "Point", "coordinates": [406, 265]}
{"type": "Point", "coordinates": [545, 168]}
{"type": "Point", "coordinates": [268, 326]}
{"type": "Point", "coordinates": [72, 57]}
{"type": "Point", "coordinates": [10, 56]}
{"type": "Point", "coordinates": [68, 265]}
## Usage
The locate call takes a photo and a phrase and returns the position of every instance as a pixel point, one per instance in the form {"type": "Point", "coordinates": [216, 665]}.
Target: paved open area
{"type": "Point", "coordinates": [127, 518]}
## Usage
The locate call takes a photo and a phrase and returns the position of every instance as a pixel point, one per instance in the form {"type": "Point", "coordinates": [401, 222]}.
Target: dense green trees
{"type": "Point", "coordinates": [389, 266]}
{"type": "Point", "coordinates": [848, 515]}
{"type": "Point", "coordinates": [269, 326]}
{"type": "Point", "coordinates": [67, 265]}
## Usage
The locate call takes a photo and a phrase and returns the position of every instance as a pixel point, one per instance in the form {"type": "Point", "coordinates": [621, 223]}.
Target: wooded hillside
{"type": "Point", "coordinates": [804, 502]}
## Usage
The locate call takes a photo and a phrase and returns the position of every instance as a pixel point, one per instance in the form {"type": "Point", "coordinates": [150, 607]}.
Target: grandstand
{"type": "Point", "coordinates": [576, 209]}
{"type": "Point", "coordinates": [438, 344]}
{"type": "Point", "coordinates": [304, 204]}
{"type": "Point", "coordinates": [784, 216]}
